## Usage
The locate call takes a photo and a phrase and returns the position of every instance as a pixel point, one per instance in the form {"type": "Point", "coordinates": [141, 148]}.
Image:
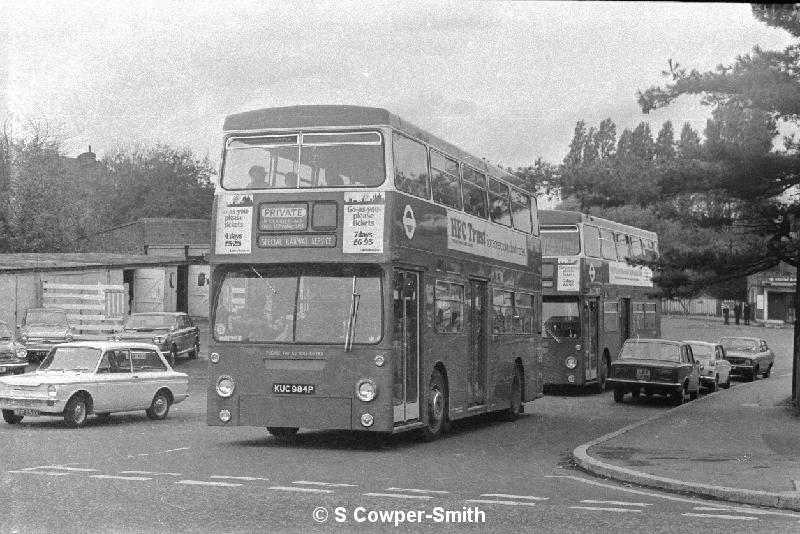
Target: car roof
{"type": "Point", "coordinates": [696, 342]}
{"type": "Point", "coordinates": [652, 340]}
{"type": "Point", "coordinates": [745, 338]}
{"type": "Point", "coordinates": [174, 314]}
{"type": "Point", "coordinates": [108, 345]}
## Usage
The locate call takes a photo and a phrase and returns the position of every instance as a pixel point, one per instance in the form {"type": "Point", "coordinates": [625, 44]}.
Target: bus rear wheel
{"type": "Point", "coordinates": [436, 417]}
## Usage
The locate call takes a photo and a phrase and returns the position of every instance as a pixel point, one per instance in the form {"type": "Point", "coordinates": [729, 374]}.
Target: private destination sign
{"type": "Point", "coordinates": [283, 217]}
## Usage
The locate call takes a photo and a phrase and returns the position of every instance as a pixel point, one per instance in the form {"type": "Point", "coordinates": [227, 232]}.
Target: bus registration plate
{"type": "Point", "coordinates": [294, 389]}
{"type": "Point", "coordinates": [643, 374]}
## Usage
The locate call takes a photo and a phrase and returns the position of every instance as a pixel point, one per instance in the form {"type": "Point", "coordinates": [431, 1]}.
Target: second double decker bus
{"type": "Point", "coordinates": [593, 299]}
{"type": "Point", "coordinates": [367, 275]}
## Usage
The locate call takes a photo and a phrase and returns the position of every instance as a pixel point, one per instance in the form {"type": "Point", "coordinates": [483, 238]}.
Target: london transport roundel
{"type": "Point", "coordinates": [409, 223]}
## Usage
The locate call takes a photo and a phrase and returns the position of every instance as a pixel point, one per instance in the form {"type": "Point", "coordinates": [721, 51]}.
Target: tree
{"type": "Point", "coordinates": [749, 98]}
{"type": "Point", "coordinates": [665, 142]}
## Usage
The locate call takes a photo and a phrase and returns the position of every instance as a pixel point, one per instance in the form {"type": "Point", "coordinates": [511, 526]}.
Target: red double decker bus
{"type": "Point", "coordinates": [367, 275]}
{"type": "Point", "coordinates": [593, 298]}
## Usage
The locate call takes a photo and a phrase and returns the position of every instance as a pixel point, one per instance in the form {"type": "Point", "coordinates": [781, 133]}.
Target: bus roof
{"type": "Point", "coordinates": [338, 116]}
{"type": "Point", "coordinates": [560, 217]}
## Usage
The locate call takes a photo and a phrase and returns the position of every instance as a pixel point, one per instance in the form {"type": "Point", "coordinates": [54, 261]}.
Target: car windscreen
{"type": "Point", "coordinates": [704, 352]}
{"type": "Point", "coordinates": [5, 332]}
{"type": "Point", "coordinates": [733, 343]}
{"type": "Point", "coordinates": [71, 359]}
{"type": "Point", "coordinates": [313, 304]}
{"type": "Point", "coordinates": [650, 351]}
{"type": "Point", "coordinates": [135, 322]}
{"type": "Point", "coordinates": [45, 317]}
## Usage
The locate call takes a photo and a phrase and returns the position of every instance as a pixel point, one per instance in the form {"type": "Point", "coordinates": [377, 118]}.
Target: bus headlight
{"type": "Point", "coordinates": [225, 386]}
{"type": "Point", "coordinates": [214, 357]}
{"type": "Point", "coordinates": [224, 415]}
{"type": "Point", "coordinates": [571, 362]}
{"type": "Point", "coordinates": [571, 379]}
{"type": "Point", "coordinates": [366, 390]}
{"type": "Point", "coordinates": [367, 420]}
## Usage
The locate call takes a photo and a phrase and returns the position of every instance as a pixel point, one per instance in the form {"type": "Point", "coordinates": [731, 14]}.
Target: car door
{"type": "Point", "coordinates": [112, 382]}
{"type": "Point", "coordinates": [769, 357]}
{"type": "Point", "coordinates": [184, 334]}
{"type": "Point", "coordinates": [692, 367]}
{"type": "Point", "coordinates": [148, 376]}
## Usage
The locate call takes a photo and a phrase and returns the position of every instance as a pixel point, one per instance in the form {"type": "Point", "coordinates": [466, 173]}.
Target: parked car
{"type": "Point", "coordinates": [749, 356]}
{"type": "Point", "coordinates": [13, 358]}
{"type": "Point", "coordinates": [655, 366]}
{"type": "Point", "coordinates": [42, 329]}
{"type": "Point", "coordinates": [172, 332]}
{"type": "Point", "coordinates": [94, 377]}
{"type": "Point", "coordinates": [715, 370]}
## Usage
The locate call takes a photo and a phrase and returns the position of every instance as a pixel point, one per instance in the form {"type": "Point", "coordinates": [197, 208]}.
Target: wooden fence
{"type": "Point", "coordinates": [94, 311]}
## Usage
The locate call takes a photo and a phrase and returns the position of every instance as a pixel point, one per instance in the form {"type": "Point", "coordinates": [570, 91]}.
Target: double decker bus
{"type": "Point", "coordinates": [367, 275]}
{"type": "Point", "coordinates": [593, 299]}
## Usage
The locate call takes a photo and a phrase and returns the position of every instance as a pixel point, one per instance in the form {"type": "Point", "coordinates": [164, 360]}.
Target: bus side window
{"type": "Point", "coordinates": [445, 181]}
{"type": "Point", "coordinates": [521, 211]}
{"type": "Point", "coordinates": [410, 166]}
{"type": "Point", "coordinates": [623, 251]}
{"type": "Point", "coordinates": [499, 209]}
{"type": "Point", "coordinates": [474, 193]}
{"type": "Point", "coordinates": [607, 248]}
{"type": "Point", "coordinates": [591, 241]}
{"type": "Point", "coordinates": [636, 247]}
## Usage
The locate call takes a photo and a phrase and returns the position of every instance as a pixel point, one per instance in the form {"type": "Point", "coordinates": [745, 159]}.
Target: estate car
{"type": "Point", "coordinates": [173, 332]}
{"type": "Point", "coordinates": [42, 329]}
{"type": "Point", "coordinates": [94, 377]}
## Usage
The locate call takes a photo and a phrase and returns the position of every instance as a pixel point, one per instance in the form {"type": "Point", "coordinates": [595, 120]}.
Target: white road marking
{"type": "Point", "coordinates": [414, 490]}
{"type": "Point", "coordinates": [306, 490]}
{"type": "Point", "coordinates": [64, 468]}
{"type": "Point", "coordinates": [154, 473]}
{"type": "Point", "coordinates": [398, 495]}
{"type": "Point", "coordinates": [330, 484]}
{"type": "Point", "coordinates": [617, 503]}
{"type": "Point", "coordinates": [711, 509]}
{"type": "Point", "coordinates": [509, 503]}
{"type": "Point", "coordinates": [605, 509]}
{"type": "Point", "coordinates": [742, 509]}
{"type": "Point", "coordinates": [530, 497]}
{"type": "Point", "coordinates": [117, 477]}
{"type": "Point", "coordinates": [723, 516]}
{"type": "Point", "coordinates": [174, 450]}
{"type": "Point", "coordinates": [206, 483]}
{"type": "Point", "coordinates": [46, 473]}
{"type": "Point", "coordinates": [227, 477]}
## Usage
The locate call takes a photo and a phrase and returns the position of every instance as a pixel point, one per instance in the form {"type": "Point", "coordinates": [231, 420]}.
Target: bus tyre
{"type": "Point", "coordinates": [436, 416]}
{"type": "Point", "coordinates": [283, 433]}
{"type": "Point", "coordinates": [767, 372]}
{"type": "Point", "coordinates": [11, 418]}
{"type": "Point", "coordinates": [515, 397]}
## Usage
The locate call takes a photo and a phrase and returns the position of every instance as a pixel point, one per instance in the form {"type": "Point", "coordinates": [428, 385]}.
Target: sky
{"type": "Point", "coordinates": [505, 81]}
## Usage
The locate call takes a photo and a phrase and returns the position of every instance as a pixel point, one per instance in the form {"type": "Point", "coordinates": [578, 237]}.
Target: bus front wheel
{"type": "Point", "coordinates": [436, 416]}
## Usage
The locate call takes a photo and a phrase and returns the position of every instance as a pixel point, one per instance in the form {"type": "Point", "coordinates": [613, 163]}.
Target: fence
{"type": "Point", "coordinates": [94, 311]}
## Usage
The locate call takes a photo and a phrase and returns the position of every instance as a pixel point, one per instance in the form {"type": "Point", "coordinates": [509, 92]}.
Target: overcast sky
{"type": "Point", "coordinates": [503, 80]}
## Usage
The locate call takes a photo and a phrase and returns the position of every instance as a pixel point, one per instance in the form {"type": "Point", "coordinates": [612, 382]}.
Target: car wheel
{"type": "Point", "coordinates": [727, 383]}
{"type": "Point", "coordinates": [618, 395]}
{"type": "Point", "coordinates": [435, 419]}
{"type": "Point", "coordinates": [693, 395]}
{"type": "Point", "coordinates": [76, 412]}
{"type": "Point", "coordinates": [754, 374]}
{"type": "Point", "coordinates": [11, 418]}
{"type": "Point", "coordinates": [195, 352]}
{"type": "Point", "coordinates": [159, 408]}
{"type": "Point", "coordinates": [677, 397]}
{"type": "Point", "coordinates": [283, 432]}
{"type": "Point", "coordinates": [173, 355]}
{"type": "Point", "coordinates": [767, 372]}
{"type": "Point", "coordinates": [714, 385]}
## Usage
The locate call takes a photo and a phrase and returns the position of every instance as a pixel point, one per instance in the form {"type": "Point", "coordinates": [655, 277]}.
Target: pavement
{"type": "Point", "coordinates": [740, 445]}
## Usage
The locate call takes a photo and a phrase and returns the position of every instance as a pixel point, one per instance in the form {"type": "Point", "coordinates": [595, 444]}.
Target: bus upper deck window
{"type": "Point", "coordinates": [445, 182]}
{"type": "Point", "coordinates": [411, 166]}
{"type": "Point", "coordinates": [499, 209]}
{"type": "Point", "coordinates": [521, 211]}
{"type": "Point", "coordinates": [474, 193]}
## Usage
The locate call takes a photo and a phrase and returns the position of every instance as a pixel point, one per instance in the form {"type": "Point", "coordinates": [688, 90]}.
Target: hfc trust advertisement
{"type": "Point", "coordinates": [476, 236]}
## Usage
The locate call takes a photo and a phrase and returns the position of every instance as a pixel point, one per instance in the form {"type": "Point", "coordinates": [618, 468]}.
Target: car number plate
{"type": "Point", "coordinates": [643, 374]}
{"type": "Point", "coordinates": [294, 389]}
{"type": "Point", "coordinates": [26, 411]}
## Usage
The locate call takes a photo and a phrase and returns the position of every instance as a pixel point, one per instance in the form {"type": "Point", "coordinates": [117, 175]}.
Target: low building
{"type": "Point", "coordinates": [772, 294]}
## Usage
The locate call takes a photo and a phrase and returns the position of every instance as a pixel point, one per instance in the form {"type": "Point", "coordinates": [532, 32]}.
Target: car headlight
{"type": "Point", "coordinates": [225, 386]}
{"type": "Point", "coordinates": [366, 390]}
{"type": "Point", "coordinates": [214, 357]}
{"type": "Point", "coordinates": [571, 362]}
{"type": "Point", "coordinates": [23, 337]}
{"type": "Point", "coordinates": [21, 353]}
{"type": "Point", "coordinates": [52, 391]}
{"type": "Point", "coordinates": [69, 336]}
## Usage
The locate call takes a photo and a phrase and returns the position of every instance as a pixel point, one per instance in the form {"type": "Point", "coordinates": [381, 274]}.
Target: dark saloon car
{"type": "Point", "coordinates": [655, 366]}
{"type": "Point", "coordinates": [172, 332]}
{"type": "Point", "coordinates": [13, 358]}
{"type": "Point", "coordinates": [749, 356]}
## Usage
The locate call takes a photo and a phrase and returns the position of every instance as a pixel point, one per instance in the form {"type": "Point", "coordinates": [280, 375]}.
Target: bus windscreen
{"type": "Point", "coordinates": [564, 241]}
{"type": "Point", "coordinates": [330, 159]}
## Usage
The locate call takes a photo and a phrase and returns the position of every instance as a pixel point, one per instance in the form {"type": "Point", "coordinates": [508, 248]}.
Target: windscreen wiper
{"type": "Point", "coordinates": [351, 322]}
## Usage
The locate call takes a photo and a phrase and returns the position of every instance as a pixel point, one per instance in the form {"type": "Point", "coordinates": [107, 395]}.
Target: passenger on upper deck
{"type": "Point", "coordinates": [290, 179]}
{"type": "Point", "coordinates": [258, 176]}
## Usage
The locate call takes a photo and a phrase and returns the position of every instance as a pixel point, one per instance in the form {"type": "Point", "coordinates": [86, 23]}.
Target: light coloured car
{"type": "Point", "coordinates": [173, 333]}
{"type": "Point", "coordinates": [12, 353]}
{"type": "Point", "coordinates": [749, 356]}
{"type": "Point", "coordinates": [94, 377]}
{"type": "Point", "coordinates": [42, 329]}
{"type": "Point", "coordinates": [715, 370]}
